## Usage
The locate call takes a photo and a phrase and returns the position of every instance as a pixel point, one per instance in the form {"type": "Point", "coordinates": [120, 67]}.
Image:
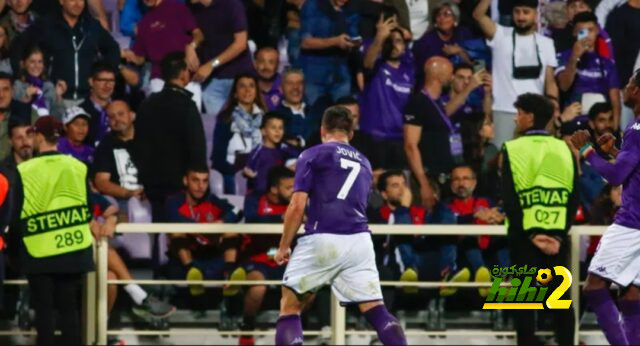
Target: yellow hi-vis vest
{"type": "Point", "coordinates": [543, 174]}
{"type": "Point", "coordinates": [55, 211]}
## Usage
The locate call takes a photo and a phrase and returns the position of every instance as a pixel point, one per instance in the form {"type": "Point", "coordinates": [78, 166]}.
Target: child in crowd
{"type": "Point", "coordinates": [76, 123]}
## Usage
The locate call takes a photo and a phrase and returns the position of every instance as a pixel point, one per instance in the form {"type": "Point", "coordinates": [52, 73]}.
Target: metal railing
{"type": "Point", "coordinates": [98, 298]}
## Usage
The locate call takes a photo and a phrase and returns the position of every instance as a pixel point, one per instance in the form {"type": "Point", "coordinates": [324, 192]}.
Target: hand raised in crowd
{"type": "Point", "coordinates": [487, 82]}
{"type": "Point", "coordinates": [343, 41]}
{"type": "Point", "coordinates": [384, 27]}
{"type": "Point", "coordinates": [607, 142]}
{"type": "Point", "coordinates": [61, 87]}
{"type": "Point", "coordinates": [571, 112]}
{"type": "Point", "coordinates": [548, 245]}
{"type": "Point", "coordinates": [580, 138]}
{"type": "Point", "coordinates": [407, 197]}
{"type": "Point", "coordinates": [477, 79]}
{"type": "Point", "coordinates": [578, 49]}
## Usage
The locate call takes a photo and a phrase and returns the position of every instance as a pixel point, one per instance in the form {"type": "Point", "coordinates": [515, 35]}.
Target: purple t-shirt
{"type": "Point", "coordinates": [164, 29]}
{"type": "Point", "coordinates": [81, 152]}
{"type": "Point", "coordinates": [261, 160]}
{"type": "Point", "coordinates": [219, 22]}
{"type": "Point", "coordinates": [337, 178]}
{"type": "Point", "coordinates": [430, 44]}
{"type": "Point", "coordinates": [595, 74]}
{"type": "Point", "coordinates": [384, 98]}
{"type": "Point", "coordinates": [273, 97]}
{"type": "Point", "coordinates": [625, 171]}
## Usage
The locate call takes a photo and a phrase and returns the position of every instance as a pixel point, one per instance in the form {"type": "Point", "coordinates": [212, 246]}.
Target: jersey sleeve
{"type": "Point", "coordinates": [304, 172]}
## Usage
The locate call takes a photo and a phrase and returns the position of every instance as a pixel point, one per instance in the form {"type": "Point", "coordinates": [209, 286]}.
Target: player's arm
{"type": "Point", "coordinates": [292, 221]}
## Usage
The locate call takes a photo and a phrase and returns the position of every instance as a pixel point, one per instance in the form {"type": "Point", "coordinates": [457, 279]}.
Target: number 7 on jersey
{"type": "Point", "coordinates": [354, 168]}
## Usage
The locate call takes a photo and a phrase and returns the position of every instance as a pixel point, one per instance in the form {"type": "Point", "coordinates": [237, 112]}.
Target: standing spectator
{"type": "Point", "coordinates": [71, 40]}
{"type": "Point", "coordinates": [169, 138]}
{"type": "Point", "coordinates": [432, 143]}
{"type": "Point", "coordinates": [465, 88]}
{"type": "Point", "coordinates": [167, 27]}
{"type": "Point", "coordinates": [257, 254]}
{"type": "Point", "coordinates": [5, 56]}
{"type": "Point", "coordinates": [482, 155]}
{"type": "Point", "coordinates": [224, 52]}
{"type": "Point", "coordinates": [299, 122]}
{"type": "Point", "coordinates": [292, 33]}
{"type": "Point", "coordinates": [34, 88]}
{"type": "Point", "coordinates": [523, 61]}
{"type": "Point", "coordinates": [237, 130]}
{"type": "Point", "coordinates": [623, 24]}
{"type": "Point", "coordinates": [564, 39]}
{"type": "Point", "coordinates": [418, 16]}
{"type": "Point", "coordinates": [329, 32]}
{"type": "Point", "coordinates": [18, 18]}
{"type": "Point", "coordinates": [444, 38]}
{"type": "Point", "coordinates": [102, 83]}
{"type": "Point", "coordinates": [582, 71]}
{"type": "Point", "coordinates": [266, 65]}
{"type": "Point", "coordinates": [389, 78]}
{"type": "Point", "coordinates": [11, 110]}
{"type": "Point", "coordinates": [76, 126]}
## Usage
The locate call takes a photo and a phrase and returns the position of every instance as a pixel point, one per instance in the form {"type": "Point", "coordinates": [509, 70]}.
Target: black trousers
{"type": "Point", "coordinates": [61, 292]}
{"type": "Point", "coordinates": [524, 252]}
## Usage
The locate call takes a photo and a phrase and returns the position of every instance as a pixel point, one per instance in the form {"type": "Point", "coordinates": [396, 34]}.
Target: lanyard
{"type": "Point", "coordinates": [513, 56]}
{"type": "Point", "coordinates": [443, 116]}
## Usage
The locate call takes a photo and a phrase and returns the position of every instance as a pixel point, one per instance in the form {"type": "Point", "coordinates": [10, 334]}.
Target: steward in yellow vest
{"type": "Point", "coordinates": [539, 179]}
{"type": "Point", "coordinates": [56, 241]}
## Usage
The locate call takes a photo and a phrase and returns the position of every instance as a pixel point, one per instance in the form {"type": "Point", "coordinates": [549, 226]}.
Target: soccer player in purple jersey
{"type": "Point", "coordinates": [617, 258]}
{"type": "Point", "coordinates": [334, 180]}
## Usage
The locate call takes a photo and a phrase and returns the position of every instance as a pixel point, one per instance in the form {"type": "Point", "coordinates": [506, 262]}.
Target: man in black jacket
{"type": "Point", "coordinates": [169, 136]}
{"type": "Point", "coordinates": [71, 40]}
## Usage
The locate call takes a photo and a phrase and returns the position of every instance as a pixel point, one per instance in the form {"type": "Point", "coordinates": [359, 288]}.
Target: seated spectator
{"type": "Point", "coordinates": [203, 256]}
{"type": "Point", "coordinates": [167, 27]}
{"type": "Point", "coordinates": [71, 40]}
{"type": "Point", "coordinates": [473, 210]}
{"type": "Point", "coordinates": [11, 110]}
{"type": "Point", "coordinates": [582, 72]}
{"type": "Point", "coordinates": [266, 65]}
{"type": "Point", "coordinates": [564, 38]}
{"type": "Point", "coordinates": [329, 31]}
{"type": "Point", "coordinates": [444, 38]}
{"type": "Point", "coordinates": [17, 19]}
{"type": "Point", "coordinates": [102, 84]}
{"type": "Point", "coordinates": [299, 122]}
{"type": "Point", "coordinates": [21, 139]}
{"type": "Point", "coordinates": [481, 154]}
{"type": "Point", "coordinates": [34, 88]}
{"type": "Point", "coordinates": [472, 90]}
{"type": "Point", "coordinates": [115, 173]}
{"type": "Point", "coordinates": [237, 130]}
{"type": "Point", "coordinates": [258, 253]}
{"type": "Point", "coordinates": [271, 153]}
{"type": "Point", "coordinates": [5, 59]}
{"type": "Point", "coordinates": [389, 78]}
{"type": "Point", "coordinates": [76, 126]}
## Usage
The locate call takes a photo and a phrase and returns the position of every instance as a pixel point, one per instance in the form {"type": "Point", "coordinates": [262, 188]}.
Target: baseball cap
{"type": "Point", "coordinates": [72, 113]}
{"type": "Point", "coordinates": [48, 126]}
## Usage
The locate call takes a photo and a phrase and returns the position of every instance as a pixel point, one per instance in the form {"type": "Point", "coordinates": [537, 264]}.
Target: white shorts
{"type": "Point", "coordinates": [617, 257]}
{"type": "Point", "coordinates": [346, 262]}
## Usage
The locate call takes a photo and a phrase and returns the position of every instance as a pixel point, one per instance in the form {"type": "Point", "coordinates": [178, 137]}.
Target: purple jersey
{"type": "Point", "coordinates": [595, 74]}
{"type": "Point", "coordinates": [338, 179]}
{"type": "Point", "coordinates": [625, 171]}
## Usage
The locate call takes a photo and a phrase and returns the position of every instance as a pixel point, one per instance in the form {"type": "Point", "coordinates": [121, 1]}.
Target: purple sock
{"type": "Point", "coordinates": [389, 330]}
{"type": "Point", "coordinates": [289, 330]}
{"type": "Point", "coordinates": [630, 310]}
{"type": "Point", "coordinates": [608, 315]}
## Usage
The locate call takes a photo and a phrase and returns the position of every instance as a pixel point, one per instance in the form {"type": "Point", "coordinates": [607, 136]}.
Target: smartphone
{"type": "Point", "coordinates": [479, 65]}
{"type": "Point", "coordinates": [582, 34]}
{"type": "Point", "coordinates": [356, 39]}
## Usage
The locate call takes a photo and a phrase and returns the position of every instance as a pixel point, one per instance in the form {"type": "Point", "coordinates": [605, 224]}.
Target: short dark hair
{"type": "Point", "coordinates": [172, 65]}
{"type": "Point", "coordinates": [538, 105]}
{"type": "Point", "coordinates": [270, 116]}
{"type": "Point", "coordinates": [267, 47]}
{"type": "Point", "coordinates": [597, 108]}
{"type": "Point", "coordinates": [346, 101]}
{"type": "Point", "coordinates": [15, 123]}
{"type": "Point", "coordinates": [585, 17]}
{"type": "Point", "coordinates": [387, 45]}
{"type": "Point", "coordinates": [462, 66]}
{"type": "Point", "coordinates": [6, 76]}
{"type": "Point", "coordinates": [277, 174]}
{"type": "Point", "coordinates": [338, 118]}
{"type": "Point", "coordinates": [101, 66]}
{"type": "Point", "coordinates": [196, 170]}
{"type": "Point", "coordinates": [464, 165]}
{"type": "Point", "coordinates": [526, 3]}
{"type": "Point", "coordinates": [382, 181]}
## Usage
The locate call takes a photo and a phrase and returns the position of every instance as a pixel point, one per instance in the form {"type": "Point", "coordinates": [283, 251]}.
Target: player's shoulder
{"type": "Point", "coordinates": [632, 133]}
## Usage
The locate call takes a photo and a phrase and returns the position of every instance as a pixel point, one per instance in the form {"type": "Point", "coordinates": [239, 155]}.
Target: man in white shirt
{"type": "Point", "coordinates": [527, 68]}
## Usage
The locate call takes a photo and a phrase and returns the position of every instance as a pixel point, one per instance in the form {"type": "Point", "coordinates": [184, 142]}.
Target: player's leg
{"type": "Point", "coordinates": [630, 309]}
{"type": "Point", "coordinates": [596, 290]}
{"type": "Point", "coordinates": [289, 325]}
{"type": "Point", "coordinates": [386, 325]}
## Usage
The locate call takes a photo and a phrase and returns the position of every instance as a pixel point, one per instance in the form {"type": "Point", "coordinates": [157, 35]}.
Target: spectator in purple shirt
{"type": "Point", "coordinates": [76, 123]}
{"type": "Point", "coordinates": [444, 37]}
{"type": "Point", "coordinates": [582, 71]}
{"type": "Point", "coordinates": [266, 65]}
{"type": "Point", "coordinates": [224, 53]}
{"type": "Point", "coordinates": [389, 78]}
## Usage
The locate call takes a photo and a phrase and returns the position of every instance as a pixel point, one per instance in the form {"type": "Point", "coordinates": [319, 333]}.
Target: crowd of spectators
{"type": "Point", "coordinates": [174, 104]}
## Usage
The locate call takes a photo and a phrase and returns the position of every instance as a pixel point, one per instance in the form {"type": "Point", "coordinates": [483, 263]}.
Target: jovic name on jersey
{"type": "Point", "coordinates": [337, 178]}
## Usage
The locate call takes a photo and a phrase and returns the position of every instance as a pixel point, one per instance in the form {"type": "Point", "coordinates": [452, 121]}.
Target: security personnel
{"type": "Point", "coordinates": [56, 248]}
{"type": "Point", "coordinates": [540, 198]}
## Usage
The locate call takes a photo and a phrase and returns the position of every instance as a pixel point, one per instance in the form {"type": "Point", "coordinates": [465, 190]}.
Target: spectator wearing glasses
{"type": "Point", "coordinates": [102, 84]}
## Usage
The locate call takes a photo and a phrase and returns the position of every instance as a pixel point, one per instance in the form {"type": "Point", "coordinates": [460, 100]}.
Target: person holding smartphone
{"type": "Point", "coordinates": [584, 74]}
